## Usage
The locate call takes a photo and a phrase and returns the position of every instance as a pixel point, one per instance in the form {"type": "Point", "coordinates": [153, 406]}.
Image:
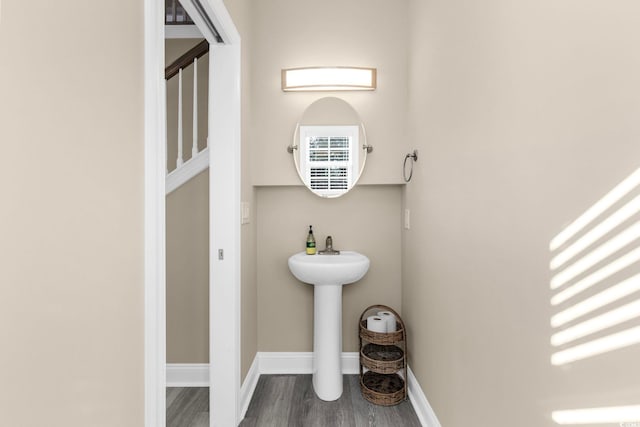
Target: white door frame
{"type": "Point", "coordinates": [224, 212]}
{"type": "Point", "coordinates": [155, 147]}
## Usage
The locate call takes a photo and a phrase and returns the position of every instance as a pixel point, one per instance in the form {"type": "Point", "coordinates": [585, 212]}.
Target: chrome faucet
{"type": "Point", "coordinates": [328, 250]}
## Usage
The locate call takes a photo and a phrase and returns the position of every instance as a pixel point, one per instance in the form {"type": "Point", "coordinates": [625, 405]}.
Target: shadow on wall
{"type": "Point", "coordinates": [595, 283]}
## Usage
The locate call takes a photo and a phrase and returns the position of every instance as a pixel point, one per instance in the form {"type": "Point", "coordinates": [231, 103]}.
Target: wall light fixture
{"type": "Point", "coordinates": [328, 79]}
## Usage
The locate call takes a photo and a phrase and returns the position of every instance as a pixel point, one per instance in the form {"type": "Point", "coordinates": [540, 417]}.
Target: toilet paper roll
{"type": "Point", "coordinates": [390, 318]}
{"type": "Point", "coordinates": [376, 324]}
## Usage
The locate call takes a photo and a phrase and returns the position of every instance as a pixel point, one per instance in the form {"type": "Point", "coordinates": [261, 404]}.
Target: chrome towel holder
{"type": "Point", "coordinates": [414, 158]}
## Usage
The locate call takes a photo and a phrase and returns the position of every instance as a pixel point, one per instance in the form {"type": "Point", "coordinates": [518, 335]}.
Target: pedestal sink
{"type": "Point", "coordinates": [328, 273]}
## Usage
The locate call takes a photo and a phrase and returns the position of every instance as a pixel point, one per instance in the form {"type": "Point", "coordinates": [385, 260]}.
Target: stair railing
{"type": "Point", "coordinates": [175, 69]}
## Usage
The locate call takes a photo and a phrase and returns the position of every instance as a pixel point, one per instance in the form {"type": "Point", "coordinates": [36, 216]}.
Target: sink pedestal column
{"type": "Point", "coordinates": [327, 341]}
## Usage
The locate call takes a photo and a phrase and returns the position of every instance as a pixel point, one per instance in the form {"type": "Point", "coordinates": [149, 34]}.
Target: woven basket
{"type": "Point", "coordinates": [381, 384]}
{"type": "Point", "coordinates": [383, 389]}
{"type": "Point", "coordinates": [383, 359]}
{"type": "Point", "coordinates": [380, 337]}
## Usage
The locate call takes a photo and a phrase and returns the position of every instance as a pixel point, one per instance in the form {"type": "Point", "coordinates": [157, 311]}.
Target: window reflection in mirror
{"type": "Point", "coordinates": [329, 149]}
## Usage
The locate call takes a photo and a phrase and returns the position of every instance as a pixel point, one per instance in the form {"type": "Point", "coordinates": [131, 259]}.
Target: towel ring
{"type": "Point", "coordinates": [414, 158]}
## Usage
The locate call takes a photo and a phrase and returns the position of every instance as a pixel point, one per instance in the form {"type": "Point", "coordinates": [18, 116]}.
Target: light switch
{"type": "Point", "coordinates": [245, 212]}
{"type": "Point", "coordinates": [407, 219]}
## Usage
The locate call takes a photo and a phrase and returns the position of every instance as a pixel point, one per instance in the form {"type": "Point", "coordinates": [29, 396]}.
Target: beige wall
{"type": "Point", "coordinates": [188, 272]}
{"type": "Point", "coordinates": [525, 114]}
{"type": "Point", "coordinates": [295, 33]}
{"type": "Point", "coordinates": [366, 220]}
{"type": "Point", "coordinates": [289, 33]}
{"type": "Point", "coordinates": [71, 221]}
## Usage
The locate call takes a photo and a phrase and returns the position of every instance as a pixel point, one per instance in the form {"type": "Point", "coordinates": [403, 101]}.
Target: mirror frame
{"type": "Point", "coordinates": [363, 149]}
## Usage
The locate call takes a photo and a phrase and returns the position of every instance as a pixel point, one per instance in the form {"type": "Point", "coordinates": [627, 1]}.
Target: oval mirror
{"type": "Point", "coordinates": [329, 147]}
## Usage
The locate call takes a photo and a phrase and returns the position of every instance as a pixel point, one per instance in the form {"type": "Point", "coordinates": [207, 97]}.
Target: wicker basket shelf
{"type": "Point", "coordinates": [379, 337]}
{"type": "Point", "coordinates": [383, 389]}
{"type": "Point", "coordinates": [384, 356]}
{"type": "Point", "coordinates": [383, 359]}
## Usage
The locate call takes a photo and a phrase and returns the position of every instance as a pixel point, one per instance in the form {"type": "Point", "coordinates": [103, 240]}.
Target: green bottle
{"type": "Point", "coordinates": [311, 243]}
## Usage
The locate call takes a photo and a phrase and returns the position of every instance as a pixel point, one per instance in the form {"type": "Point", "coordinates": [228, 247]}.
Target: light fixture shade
{"type": "Point", "coordinates": [328, 79]}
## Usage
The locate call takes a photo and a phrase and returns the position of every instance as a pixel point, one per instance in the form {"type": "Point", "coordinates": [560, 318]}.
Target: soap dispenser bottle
{"type": "Point", "coordinates": [311, 243]}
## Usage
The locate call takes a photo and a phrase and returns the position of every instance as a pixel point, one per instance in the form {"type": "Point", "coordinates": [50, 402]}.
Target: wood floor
{"type": "Point", "coordinates": [289, 401]}
{"type": "Point", "coordinates": [187, 406]}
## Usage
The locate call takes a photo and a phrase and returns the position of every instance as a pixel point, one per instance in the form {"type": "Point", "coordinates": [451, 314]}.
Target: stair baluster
{"type": "Point", "coordinates": [194, 148]}
{"type": "Point", "coordinates": [199, 160]}
{"type": "Point", "coordinates": [180, 160]}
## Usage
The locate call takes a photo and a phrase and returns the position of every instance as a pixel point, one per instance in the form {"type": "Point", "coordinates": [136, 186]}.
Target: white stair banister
{"type": "Point", "coordinates": [166, 102]}
{"type": "Point", "coordinates": [194, 148]}
{"type": "Point", "coordinates": [179, 160]}
{"type": "Point", "coordinates": [199, 160]}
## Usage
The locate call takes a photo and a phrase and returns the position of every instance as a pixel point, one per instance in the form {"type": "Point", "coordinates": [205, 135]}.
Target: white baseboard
{"type": "Point", "coordinates": [249, 386]}
{"type": "Point", "coordinates": [351, 363]}
{"type": "Point", "coordinates": [420, 403]}
{"type": "Point", "coordinates": [187, 375]}
{"type": "Point", "coordinates": [301, 363]}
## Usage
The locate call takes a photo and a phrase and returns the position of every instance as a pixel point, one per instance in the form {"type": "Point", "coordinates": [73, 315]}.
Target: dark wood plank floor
{"type": "Point", "coordinates": [289, 401]}
{"type": "Point", "coordinates": [187, 406]}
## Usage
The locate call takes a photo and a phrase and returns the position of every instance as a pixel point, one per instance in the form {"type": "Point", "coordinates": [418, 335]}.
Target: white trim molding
{"type": "Point", "coordinates": [188, 170]}
{"type": "Point", "coordinates": [249, 386]}
{"type": "Point", "coordinates": [197, 375]}
{"type": "Point", "coordinates": [224, 208]}
{"type": "Point", "coordinates": [187, 375]}
{"type": "Point", "coordinates": [154, 216]}
{"type": "Point", "coordinates": [420, 403]}
{"type": "Point", "coordinates": [224, 234]}
{"type": "Point", "coordinates": [182, 32]}
{"type": "Point", "coordinates": [301, 363]}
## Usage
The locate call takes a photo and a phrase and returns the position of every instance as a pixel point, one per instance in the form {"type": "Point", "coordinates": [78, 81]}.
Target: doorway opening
{"type": "Point", "coordinates": [223, 119]}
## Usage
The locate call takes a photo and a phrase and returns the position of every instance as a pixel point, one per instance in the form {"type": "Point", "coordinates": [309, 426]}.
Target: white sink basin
{"type": "Point", "coordinates": [328, 273]}
{"type": "Point", "coordinates": [348, 267]}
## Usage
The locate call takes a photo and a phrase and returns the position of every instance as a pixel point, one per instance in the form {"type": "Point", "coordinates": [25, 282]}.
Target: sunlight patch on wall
{"type": "Point", "coordinates": [598, 346]}
{"type": "Point", "coordinates": [595, 265]}
{"type": "Point", "coordinates": [598, 323]}
{"type": "Point", "coordinates": [602, 229]}
{"type": "Point", "coordinates": [610, 415]}
{"type": "Point", "coordinates": [597, 255]}
{"type": "Point", "coordinates": [593, 279]}
{"type": "Point", "coordinates": [609, 295]}
{"type": "Point", "coordinates": [618, 192]}
{"type": "Point", "coordinates": [595, 262]}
